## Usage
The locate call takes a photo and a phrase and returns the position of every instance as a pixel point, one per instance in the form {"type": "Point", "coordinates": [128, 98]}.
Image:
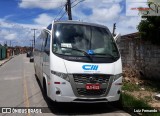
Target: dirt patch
{"type": "Point", "coordinates": [145, 91]}
{"type": "Point", "coordinates": [147, 96]}
{"type": "Point", "coordinates": [141, 94]}
{"type": "Point", "coordinates": [155, 105]}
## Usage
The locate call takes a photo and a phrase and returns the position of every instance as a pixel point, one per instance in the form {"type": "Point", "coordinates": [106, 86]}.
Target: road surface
{"type": "Point", "coordinates": [19, 88]}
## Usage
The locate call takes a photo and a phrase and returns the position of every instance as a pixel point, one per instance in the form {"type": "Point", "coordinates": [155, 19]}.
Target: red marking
{"type": "Point", "coordinates": [141, 9]}
{"type": "Point", "coordinates": [57, 83]}
{"type": "Point", "coordinates": [92, 86]}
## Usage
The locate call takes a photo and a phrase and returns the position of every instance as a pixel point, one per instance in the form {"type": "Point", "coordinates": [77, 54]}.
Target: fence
{"type": "Point", "coordinates": [142, 56]}
{"type": "Point", "coordinates": [3, 51]}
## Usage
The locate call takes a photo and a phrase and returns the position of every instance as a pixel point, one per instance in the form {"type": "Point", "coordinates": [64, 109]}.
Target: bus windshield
{"type": "Point", "coordinates": [76, 40]}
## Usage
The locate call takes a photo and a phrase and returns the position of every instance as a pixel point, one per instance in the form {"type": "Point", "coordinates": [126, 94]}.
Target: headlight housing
{"type": "Point", "coordinates": [61, 75]}
{"type": "Point", "coordinates": [115, 77]}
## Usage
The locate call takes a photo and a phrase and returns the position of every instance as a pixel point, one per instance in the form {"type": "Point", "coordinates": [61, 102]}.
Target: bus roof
{"type": "Point", "coordinates": [76, 22]}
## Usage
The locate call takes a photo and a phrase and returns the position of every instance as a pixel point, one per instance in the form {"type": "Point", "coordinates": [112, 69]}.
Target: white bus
{"type": "Point", "coordinates": [78, 62]}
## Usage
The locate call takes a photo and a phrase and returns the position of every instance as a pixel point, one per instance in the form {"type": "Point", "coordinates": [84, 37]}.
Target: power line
{"type": "Point", "coordinates": [59, 12]}
{"type": "Point", "coordinates": [62, 15]}
{"type": "Point", "coordinates": [67, 10]}
{"type": "Point", "coordinates": [73, 1]}
{"type": "Point", "coordinates": [77, 3]}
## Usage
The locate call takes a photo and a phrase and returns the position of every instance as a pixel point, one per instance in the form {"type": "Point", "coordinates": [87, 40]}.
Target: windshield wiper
{"type": "Point", "coordinates": [113, 57]}
{"type": "Point", "coordinates": [85, 53]}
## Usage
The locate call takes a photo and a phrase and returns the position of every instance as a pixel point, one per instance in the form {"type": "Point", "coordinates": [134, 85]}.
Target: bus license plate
{"type": "Point", "coordinates": [92, 86]}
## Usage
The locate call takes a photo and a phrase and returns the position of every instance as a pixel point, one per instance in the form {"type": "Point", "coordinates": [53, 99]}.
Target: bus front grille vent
{"type": "Point", "coordinates": [84, 92]}
{"type": "Point", "coordinates": [88, 78]}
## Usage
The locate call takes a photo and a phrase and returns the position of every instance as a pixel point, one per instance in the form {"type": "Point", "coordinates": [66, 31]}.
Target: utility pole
{"type": "Point", "coordinates": [114, 28]}
{"type": "Point", "coordinates": [6, 43]}
{"type": "Point", "coordinates": [32, 43]}
{"type": "Point", "coordinates": [34, 36]}
{"type": "Point", "coordinates": [10, 43]}
{"type": "Point", "coordinates": [68, 9]}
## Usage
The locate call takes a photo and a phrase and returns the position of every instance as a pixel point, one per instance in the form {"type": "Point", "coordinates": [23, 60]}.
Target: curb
{"type": "Point", "coordinates": [6, 61]}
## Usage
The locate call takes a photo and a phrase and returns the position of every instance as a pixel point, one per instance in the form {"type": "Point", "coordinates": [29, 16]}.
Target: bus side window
{"type": "Point", "coordinates": [47, 44]}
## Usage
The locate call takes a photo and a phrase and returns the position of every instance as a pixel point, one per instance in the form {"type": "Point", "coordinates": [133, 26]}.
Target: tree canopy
{"type": "Point", "coordinates": [149, 29]}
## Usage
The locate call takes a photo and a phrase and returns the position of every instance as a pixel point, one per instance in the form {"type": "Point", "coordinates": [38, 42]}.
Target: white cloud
{"type": "Point", "coordinates": [4, 32]}
{"type": "Point", "coordinates": [4, 24]}
{"type": "Point", "coordinates": [12, 25]}
{"type": "Point", "coordinates": [128, 25]}
{"type": "Point", "coordinates": [130, 22]}
{"type": "Point", "coordinates": [43, 19]}
{"type": "Point", "coordinates": [43, 4]}
{"type": "Point", "coordinates": [11, 36]}
{"type": "Point", "coordinates": [8, 35]}
{"type": "Point", "coordinates": [19, 34]}
{"type": "Point", "coordinates": [107, 13]}
{"type": "Point", "coordinates": [103, 14]}
{"type": "Point", "coordinates": [101, 11]}
{"type": "Point", "coordinates": [136, 1]}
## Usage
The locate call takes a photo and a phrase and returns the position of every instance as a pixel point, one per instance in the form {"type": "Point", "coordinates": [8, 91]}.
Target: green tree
{"type": "Point", "coordinates": [149, 27]}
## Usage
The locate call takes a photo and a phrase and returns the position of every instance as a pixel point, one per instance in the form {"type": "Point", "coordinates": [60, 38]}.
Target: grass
{"type": "Point", "coordinates": [130, 87]}
{"type": "Point", "coordinates": [151, 85]}
{"type": "Point", "coordinates": [130, 103]}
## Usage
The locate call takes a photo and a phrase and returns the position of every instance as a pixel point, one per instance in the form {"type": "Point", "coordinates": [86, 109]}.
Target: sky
{"type": "Point", "coordinates": [18, 17]}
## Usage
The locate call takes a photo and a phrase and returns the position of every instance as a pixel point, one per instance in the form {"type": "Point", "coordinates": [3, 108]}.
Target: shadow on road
{"type": "Point", "coordinates": [80, 109]}
{"type": "Point", "coordinates": [77, 108]}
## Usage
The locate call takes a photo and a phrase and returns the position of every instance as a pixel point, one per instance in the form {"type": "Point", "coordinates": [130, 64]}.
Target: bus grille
{"type": "Point", "coordinates": [86, 78]}
{"type": "Point", "coordinates": [84, 92]}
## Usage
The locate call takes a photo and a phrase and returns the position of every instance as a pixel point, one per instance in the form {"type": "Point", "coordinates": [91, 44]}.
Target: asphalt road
{"type": "Point", "coordinates": [19, 88]}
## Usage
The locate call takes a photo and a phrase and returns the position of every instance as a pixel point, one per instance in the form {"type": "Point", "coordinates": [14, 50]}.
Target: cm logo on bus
{"type": "Point", "coordinates": [90, 67]}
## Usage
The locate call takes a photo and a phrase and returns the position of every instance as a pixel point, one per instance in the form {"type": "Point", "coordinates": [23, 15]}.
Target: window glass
{"type": "Point", "coordinates": [47, 44]}
{"type": "Point", "coordinates": [75, 39]}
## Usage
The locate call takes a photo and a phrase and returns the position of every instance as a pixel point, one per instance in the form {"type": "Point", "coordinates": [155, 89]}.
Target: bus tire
{"type": "Point", "coordinates": [118, 103]}
{"type": "Point", "coordinates": [44, 89]}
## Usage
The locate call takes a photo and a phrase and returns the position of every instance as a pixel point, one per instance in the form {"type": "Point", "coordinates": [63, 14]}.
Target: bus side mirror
{"type": "Point", "coordinates": [118, 36]}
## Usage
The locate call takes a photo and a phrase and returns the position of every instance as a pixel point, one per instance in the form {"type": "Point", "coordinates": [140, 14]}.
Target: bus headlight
{"type": "Point", "coordinates": [61, 75]}
{"type": "Point", "coordinates": [115, 77]}
{"type": "Point", "coordinates": [64, 76]}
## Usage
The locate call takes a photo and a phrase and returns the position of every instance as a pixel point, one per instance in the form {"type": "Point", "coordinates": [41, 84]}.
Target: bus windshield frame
{"type": "Point", "coordinates": [75, 40]}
